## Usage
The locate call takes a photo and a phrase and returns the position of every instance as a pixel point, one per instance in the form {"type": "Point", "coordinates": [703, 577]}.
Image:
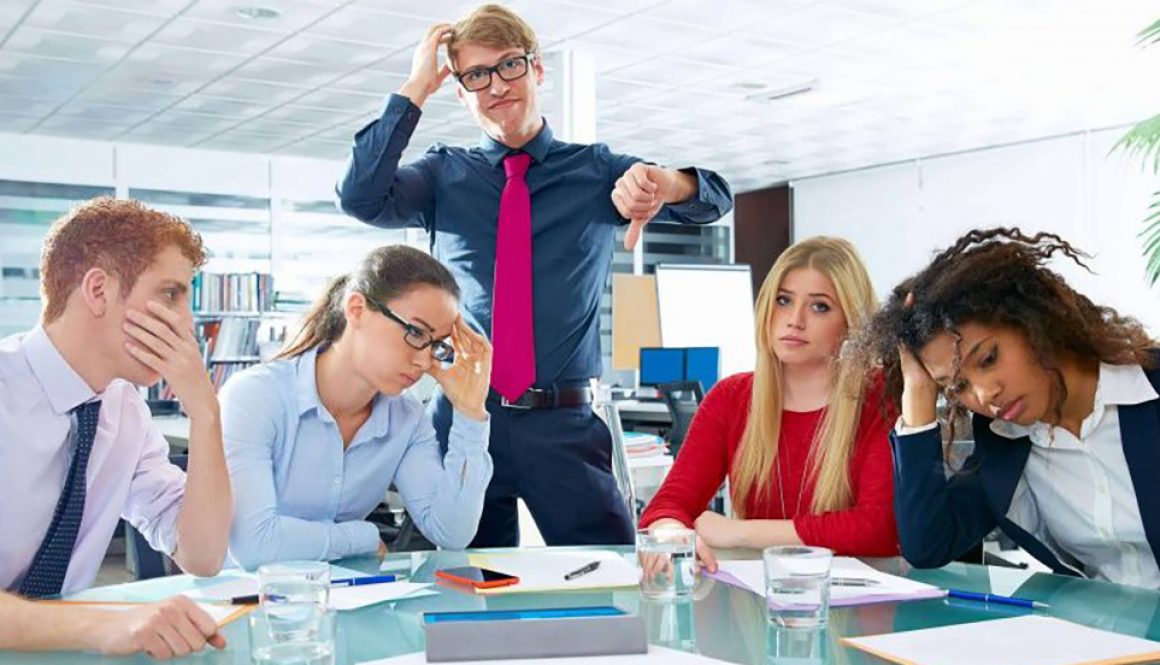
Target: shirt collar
{"type": "Point", "coordinates": [62, 385]}
{"type": "Point", "coordinates": [306, 387]}
{"type": "Point", "coordinates": [538, 147]}
{"type": "Point", "coordinates": [1117, 385]}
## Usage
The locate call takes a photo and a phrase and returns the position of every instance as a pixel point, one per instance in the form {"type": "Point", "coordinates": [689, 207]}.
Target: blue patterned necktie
{"type": "Point", "coordinates": [46, 574]}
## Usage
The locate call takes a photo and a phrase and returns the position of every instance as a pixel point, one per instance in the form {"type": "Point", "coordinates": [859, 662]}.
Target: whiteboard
{"type": "Point", "coordinates": [702, 305]}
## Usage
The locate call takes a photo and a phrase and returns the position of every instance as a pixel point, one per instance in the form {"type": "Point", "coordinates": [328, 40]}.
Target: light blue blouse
{"type": "Point", "coordinates": [299, 495]}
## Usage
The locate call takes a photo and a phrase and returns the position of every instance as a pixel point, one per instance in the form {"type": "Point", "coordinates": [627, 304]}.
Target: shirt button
{"type": "Point", "coordinates": [338, 480]}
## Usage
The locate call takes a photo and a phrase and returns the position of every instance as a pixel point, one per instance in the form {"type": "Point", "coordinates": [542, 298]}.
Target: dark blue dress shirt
{"type": "Point", "coordinates": [454, 194]}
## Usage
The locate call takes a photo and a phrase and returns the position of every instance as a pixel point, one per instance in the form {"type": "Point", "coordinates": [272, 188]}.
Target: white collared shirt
{"type": "Point", "coordinates": [1078, 491]}
{"type": "Point", "coordinates": [129, 474]}
{"type": "Point", "coordinates": [1076, 494]}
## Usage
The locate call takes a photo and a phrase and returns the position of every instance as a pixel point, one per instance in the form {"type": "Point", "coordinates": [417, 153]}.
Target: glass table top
{"type": "Point", "coordinates": [720, 621]}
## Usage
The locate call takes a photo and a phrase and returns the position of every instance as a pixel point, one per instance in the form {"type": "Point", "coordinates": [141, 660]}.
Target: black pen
{"type": "Point", "coordinates": [584, 570]}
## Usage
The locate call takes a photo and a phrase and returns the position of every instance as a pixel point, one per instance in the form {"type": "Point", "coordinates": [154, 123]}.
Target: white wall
{"type": "Point", "coordinates": [900, 215]}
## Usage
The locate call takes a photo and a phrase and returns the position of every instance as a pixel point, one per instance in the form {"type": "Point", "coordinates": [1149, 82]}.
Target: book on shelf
{"type": "Point", "coordinates": [232, 292]}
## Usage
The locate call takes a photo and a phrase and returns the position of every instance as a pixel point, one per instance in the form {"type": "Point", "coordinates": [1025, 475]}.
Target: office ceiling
{"type": "Point", "coordinates": [680, 81]}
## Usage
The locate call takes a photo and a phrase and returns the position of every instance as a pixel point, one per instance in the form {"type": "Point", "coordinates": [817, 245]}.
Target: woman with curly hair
{"type": "Point", "coordinates": [1066, 415]}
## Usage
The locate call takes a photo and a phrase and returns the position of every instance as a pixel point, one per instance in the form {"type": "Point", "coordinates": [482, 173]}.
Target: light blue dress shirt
{"type": "Point", "coordinates": [299, 495]}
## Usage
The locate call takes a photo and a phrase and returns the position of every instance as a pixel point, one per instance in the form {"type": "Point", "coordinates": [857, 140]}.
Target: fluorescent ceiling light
{"type": "Point", "coordinates": [783, 92]}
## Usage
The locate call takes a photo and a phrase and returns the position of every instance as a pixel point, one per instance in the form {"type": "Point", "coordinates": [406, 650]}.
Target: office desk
{"type": "Point", "coordinates": [722, 621]}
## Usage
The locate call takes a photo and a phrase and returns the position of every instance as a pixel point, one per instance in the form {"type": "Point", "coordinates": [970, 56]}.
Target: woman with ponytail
{"type": "Point", "coordinates": [802, 439]}
{"type": "Point", "coordinates": [314, 438]}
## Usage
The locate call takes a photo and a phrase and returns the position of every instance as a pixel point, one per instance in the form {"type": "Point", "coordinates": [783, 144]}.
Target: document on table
{"type": "Point", "coordinates": [341, 598]}
{"type": "Point", "coordinates": [544, 570]}
{"type": "Point", "coordinates": [885, 588]}
{"type": "Point", "coordinates": [1026, 640]}
{"type": "Point", "coordinates": [655, 655]}
{"type": "Point", "coordinates": [222, 614]}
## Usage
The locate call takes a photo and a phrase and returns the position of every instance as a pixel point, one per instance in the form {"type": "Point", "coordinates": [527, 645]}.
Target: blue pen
{"type": "Point", "coordinates": [997, 599]}
{"type": "Point", "coordinates": [359, 581]}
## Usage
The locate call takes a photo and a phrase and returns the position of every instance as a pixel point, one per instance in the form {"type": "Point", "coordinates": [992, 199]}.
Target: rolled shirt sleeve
{"type": "Point", "coordinates": [157, 488]}
{"type": "Point", "coordinates": [444, 493]}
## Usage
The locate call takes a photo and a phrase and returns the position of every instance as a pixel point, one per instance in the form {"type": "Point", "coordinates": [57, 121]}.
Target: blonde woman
{"type": "Point", "coordinates": [802, 438]}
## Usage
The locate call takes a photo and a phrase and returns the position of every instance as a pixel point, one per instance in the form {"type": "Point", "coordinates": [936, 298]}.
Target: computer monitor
{"type": "Point", "coordinates": [659, 366]}
{"type": "Point", "coordinates": [664, 365]}
{"type": "Point", "coordinates": [703, 364]}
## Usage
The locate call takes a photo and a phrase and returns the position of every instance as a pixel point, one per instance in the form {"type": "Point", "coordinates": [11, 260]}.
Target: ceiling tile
{"type": "Point", "coordinates": [101, 22]}
{"type": "Point", "coordinates": [293, 15]}
{"type": "Point", "coordinates": [377, 28]}
{"type": "Point", "coordinates": [553, 21]}
{"type": "Point", "coordinates": [11, 11]}
{"type": "Point", "coordinates": [266, 125]}
{"type": "Point", "coordinates": [330, 52]}
{"type": "Point", "coordinates": [235, 87]}
{"type": "Point", "coordinates": [140, 98]}
{"type": "Point", "coordinates": [223, 37]}
{"type": "Point", "coordinates": [341, 100]}
{"type": "Point", "coordinates": [646, 35]}
{"type": "Point", "coordinates": [318, 148]}
{"type": "Point", "coordinates": [301, 74]}
{"type": "Point", "coordinates": [234, 108]}
{"type": "Point", "coordinates": [14, 105]}
{"type": "Point", "coordinates": [17, 122]}
{"type": "Point", "coordinates": [724, 14]}
{"type": "Point", "coordinates": [110, 113]}
{"type": "Point", "coordinates": [307, 115]}
{"type": "Point", "coordinates": [245, 142]}
{"type": "Point", "coordinates": [197, 123]}
{"type": "Point", "coordinates": [819, 25]}
{"type": "Point", "coordinates": [432, 10]}
{"type": "Point", "coordinates": [71, 47]}
{"type": "Point", "coordinates": [370, 81]}
{"type": "Point", "coordinates": [48, 72]}
{"type": "Point", "coordinates": [79, 127]}
{"type": "Point", "coordinates": [669, 71]}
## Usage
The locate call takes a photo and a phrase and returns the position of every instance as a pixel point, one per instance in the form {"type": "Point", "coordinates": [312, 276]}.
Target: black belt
{"type": "Point", "coordinates": [545, 398]}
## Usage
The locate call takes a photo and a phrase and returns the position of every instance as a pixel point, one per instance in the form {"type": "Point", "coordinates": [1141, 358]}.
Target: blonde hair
{"type": "Point", "coordinates": [492, 25]}
{"type": "Point", "coordinates": [833, 443]}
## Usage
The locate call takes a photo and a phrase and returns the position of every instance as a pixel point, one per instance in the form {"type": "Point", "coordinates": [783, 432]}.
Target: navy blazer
{"type": "Point", "coordinates": [940, 519]}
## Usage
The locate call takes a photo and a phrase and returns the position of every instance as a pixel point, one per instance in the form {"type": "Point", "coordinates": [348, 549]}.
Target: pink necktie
{"type": "Point", "coordinates": [514, 362]}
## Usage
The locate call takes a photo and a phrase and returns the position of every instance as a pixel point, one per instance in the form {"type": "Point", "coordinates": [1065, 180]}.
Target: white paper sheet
{"type": "Point", "coordinates": [751, 574]}
{"type": "Point", "coordinates": [354, 597]}
{"type": "Point", "coordinates": [655, 655]}
{"type": "Point", "coordinates": [544, 570]}
{"type": "Point", "coordinates": [341, 598]}
{"type": "Point", "coordinates": [222, 614]}
{"type": "Point", "coordinates": [1027, 640]}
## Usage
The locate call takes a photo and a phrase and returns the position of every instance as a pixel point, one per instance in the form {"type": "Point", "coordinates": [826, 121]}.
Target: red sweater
{"type": "Point", "coordinates": [865, 529]}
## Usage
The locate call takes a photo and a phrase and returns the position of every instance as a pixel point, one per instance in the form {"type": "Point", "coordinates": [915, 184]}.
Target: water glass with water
{"type": "Point", "coordinates": [292, 594]}
{"type": "Point", "coordinates": [667, 559]}
{"type": "Point", "coordinates": [315, 645]}
{"type": "Point", "coordinates": [797, 585]}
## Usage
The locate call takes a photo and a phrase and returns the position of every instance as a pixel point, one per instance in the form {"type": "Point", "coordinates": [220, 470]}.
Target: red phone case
{"type": "Point", "coordinates": [478, 584]}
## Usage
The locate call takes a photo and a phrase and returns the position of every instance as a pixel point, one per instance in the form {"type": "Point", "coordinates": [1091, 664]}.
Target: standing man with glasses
{"type": "Point", "coordinates": [526, 224]}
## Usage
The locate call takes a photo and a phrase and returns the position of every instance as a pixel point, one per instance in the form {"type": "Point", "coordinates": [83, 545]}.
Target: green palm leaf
{"type": "Point", "coordinates": [1143, 142]}
{"type": "Point", "coordinates": [1149, 35]}
{"type": "Point", "coordinates": [1151, 237]}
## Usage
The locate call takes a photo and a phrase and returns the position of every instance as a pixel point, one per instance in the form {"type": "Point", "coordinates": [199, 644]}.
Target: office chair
{"type": "Point", "coordinates": [682, 399]}
{"type": "Point", "coordinates": [145, 561]}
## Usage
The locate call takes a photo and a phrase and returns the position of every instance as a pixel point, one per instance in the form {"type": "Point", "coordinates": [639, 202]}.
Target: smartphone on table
{"type": "Point", "coordinates": [474, 576]}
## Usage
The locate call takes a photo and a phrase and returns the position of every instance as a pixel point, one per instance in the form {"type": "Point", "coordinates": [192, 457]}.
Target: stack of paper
{"type": "Point", "coordinates": [638, 445]}
{"type": "Point", "coordinates": [1026, 640]}
{"type": "Point", "coordinates": [882, 587]}
{"type": "Point", "coordinates": [545, 570]}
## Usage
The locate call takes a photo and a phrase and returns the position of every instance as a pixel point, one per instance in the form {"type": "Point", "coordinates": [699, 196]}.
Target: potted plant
{"type": "Point", "coordinates": [1143, 141]}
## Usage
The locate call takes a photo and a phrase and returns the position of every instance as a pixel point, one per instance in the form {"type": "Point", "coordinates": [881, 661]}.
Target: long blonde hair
{"type": "Point", "coordinates": [833, 444]}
